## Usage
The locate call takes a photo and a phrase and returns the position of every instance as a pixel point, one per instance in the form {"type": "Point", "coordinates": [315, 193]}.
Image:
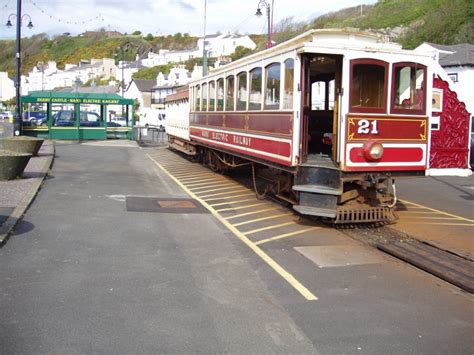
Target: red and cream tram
{"type": "Point", "coordinates": [334, 115]}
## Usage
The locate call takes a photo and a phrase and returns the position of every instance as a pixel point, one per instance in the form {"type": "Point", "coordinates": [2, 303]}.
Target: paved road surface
{"type": "Point", "coordinates": [84, 275]}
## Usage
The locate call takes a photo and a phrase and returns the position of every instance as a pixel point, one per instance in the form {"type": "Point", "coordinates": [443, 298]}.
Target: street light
{"type": "Point", "coordinates": [122, 50]}
{"type": "Point", "coordinates": [19, 18]}
{"type": "Point", "coordinates": [269, 9]}
{"type": "Point", "coordinates": [204, 51]}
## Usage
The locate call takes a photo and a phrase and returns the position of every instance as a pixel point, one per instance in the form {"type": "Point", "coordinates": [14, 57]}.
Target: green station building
{"type": "Point", "coordinates": [77, 116]}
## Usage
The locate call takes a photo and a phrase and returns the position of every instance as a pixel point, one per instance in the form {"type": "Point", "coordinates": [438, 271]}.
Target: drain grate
{"type": "Point", "coordinates": [163, 205]}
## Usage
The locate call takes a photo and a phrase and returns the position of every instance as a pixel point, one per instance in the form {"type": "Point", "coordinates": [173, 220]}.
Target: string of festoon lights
{"type": "Point", "coordinates": [66, 21]}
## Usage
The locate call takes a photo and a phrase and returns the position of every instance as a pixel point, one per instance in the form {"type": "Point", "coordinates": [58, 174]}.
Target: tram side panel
{"type": "Point", "coordinates": [177, 122]}
{"type": "Point", "coordinates": [261, 135]}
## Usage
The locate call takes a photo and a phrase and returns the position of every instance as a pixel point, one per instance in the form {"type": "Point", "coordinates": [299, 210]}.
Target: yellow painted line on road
{"type": "Point", "coordinates": [190, 175]}
{"type": "Point", "coordinates": [229, 197]}
{"type": "Point", "coordinates": [262, 219]}
{"type": "Point", "coordinates": [238, 189]}
{"type": "Point", "coordinates": [231, 202]}
{"type": "Point", "coordinates": [442, 224]}
{"type": "Point", "coordinates": [270, 227]}
{"type": "Point", "coordinates": [298, 286]}
{"type": "Point", "coordinates": [251, 213]}
{"type": "Point", "coordinates": [180, 166]}
{"type": "Point", "coordinates": [240, 207]}
{"type": "Point", "coordinates": [197, 178]}
{"type": "Point", "coordinates": [184, 167]}
{"type": "Point", "coordinates": [429, 217]}
{"type": "Point", "coordinates": [438, 211]}
{"type": "Point", "coordinates": [172, 166]}
{"type": "Point", "coordinates": [286, 235]}
{"type": "Point", "coordinates": [417, 212]}
{"type": "Point", "coordinates": [219, 188]}
{"type": "Point", "coordinates": [208, 183]}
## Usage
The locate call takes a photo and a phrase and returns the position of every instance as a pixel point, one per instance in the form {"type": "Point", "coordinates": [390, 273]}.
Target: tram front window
{"type": "Point", "coordinates": [368, 87]}
{"type": "Point", "coordinates": [408, 88]}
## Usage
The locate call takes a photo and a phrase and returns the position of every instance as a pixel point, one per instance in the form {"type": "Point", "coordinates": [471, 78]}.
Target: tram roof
{"type": "Point", "coordinates": [337, 38]}
{"type": "Point", "coordinates": [75, 97]}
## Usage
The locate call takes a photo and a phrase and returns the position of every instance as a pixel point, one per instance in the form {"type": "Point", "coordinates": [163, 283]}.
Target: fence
{"type": "Point", "coordinates": [150, 136]}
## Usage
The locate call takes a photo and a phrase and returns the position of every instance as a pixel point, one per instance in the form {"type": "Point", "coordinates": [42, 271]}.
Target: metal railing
{"type": "Point", "coordinates": [150, 135]}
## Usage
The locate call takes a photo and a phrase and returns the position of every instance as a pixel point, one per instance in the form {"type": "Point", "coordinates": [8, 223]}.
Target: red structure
{"type": "Point", "coordinates": [450, 143]}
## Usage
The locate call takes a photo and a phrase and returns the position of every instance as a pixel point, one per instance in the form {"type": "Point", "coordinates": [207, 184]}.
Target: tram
{"type": "Point", "coordinates": [331, 118]}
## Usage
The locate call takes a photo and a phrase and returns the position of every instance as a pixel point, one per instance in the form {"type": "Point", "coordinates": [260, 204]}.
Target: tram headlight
{"type": "Point", "coordinates": [373, 151]}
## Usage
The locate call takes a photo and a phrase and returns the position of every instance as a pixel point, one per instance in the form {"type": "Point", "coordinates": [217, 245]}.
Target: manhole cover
{"type": "Point", "coordinates": [340, 255]}
{"type": "Point", "coordinates": [163, 205]}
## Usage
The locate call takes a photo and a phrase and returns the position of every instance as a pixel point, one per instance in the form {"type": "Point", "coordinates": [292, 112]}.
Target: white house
{"type": "Point", "coordinates": [224, 44]}
{"type": "Point", "coordinates": [48, 76]}
{"type": "Point", "coordinates": [7, 87]}
{"type": "Point", "coordinates": [128, 69]}
{"type": "Point", "coordinates": [217, 45]}
{"type": "Point", "coordinates": [140, 90]}
{"type": "Point", "coordinates": [458, 63]}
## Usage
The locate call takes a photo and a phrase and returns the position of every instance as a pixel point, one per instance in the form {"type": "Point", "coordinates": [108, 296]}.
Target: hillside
{"type": "Point", "coordinates": [410, 22]}
{"type": "Point", "coordinates": [100, 44]}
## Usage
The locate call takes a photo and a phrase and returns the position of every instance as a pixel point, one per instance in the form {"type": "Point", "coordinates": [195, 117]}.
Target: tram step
{"type": "Point", "coordinates": [319, 189]}
{"type": "Point", "coordinates": [447, 266]}
{"type": "Point", "coordinates": [322, 176]}
{"type": "Point", "coordinates": [315, 204]}
{"type": "Point", "coordinates": [315, 211]}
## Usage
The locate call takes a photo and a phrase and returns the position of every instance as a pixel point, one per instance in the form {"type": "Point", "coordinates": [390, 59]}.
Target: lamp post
{"type": "Point", "coordinates": [122, 61]}
{"type": "Point", "coordinates": [204, 51]}
{"type": "Point", "coordinates": [19, 18]}
{"type": "Point", "coordinates": [269, 10]}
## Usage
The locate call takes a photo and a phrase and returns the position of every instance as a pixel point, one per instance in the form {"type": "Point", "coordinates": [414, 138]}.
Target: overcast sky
{"type": "Point", "coordinates": [159, 16]}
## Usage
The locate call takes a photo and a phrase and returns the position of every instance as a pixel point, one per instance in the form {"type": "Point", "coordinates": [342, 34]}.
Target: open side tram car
{"type": "Point", "coordinates": [334, 115]}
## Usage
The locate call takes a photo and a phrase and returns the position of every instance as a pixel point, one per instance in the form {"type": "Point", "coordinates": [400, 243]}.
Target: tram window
{"type": "Point", "coordinates": [197, 91]}
{"type": "Point", "coordinates": [289, 79]}
{"type": "Point", "coordinates": [255, 97]}
{"type": "Point", "coordinates": [368, 87]}
{"type": "Point", "coordinates": [408, 90]}
{"type": "Point", "coordinates": [331, 94]}
{"type": "Point", "coordinates": [220, 95]}
{"type": "Point", "coordinates": [212, 95]}
{"type": "Point", "coordinates": [229, 100]}
{"type": "Point", "coordinates": [272, 87]}
{"type": "Point", "coordinates": [242, 91]}
{"type": "Point", "coordinates": [318, 96]}
{"type": "Point", "coordinates": [204, 98]}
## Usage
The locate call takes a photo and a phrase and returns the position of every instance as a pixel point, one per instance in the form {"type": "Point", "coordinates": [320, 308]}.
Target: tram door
{"type": "Point", "coordinates": [321, 86]}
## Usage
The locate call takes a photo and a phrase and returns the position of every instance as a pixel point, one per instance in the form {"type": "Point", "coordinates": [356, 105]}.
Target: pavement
{"type": "Point", "coordinates": [17, 195]}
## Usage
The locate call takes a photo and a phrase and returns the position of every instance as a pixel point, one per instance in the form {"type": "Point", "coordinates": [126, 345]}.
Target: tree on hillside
{"type": "Point", "coordinates": [287, 29]}
{"type": "Point", "coordinates": [240, 52]}
{"type": "Point", "coordinates": [151, 73]}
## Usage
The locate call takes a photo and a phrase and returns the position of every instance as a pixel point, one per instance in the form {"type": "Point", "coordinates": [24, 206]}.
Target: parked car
{"type": "Point", "coordinates": [89, 119]}
{"type": "Point", "coordinates": [35, 118]}
{"type": "Point", "coordinates": [120, 121]}
{"type": "Point", "coordinates": [6, 115]}
{"type": "Point", "coordinates": [64, 118]}
{"type": "Point", "coordinates": [153, 118]}
{"type": "Point", "coordinates": [68, 118]}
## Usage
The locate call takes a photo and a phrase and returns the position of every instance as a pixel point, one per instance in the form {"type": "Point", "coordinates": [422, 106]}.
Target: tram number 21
{"type": "Point", "coordinates": [366, 127]}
